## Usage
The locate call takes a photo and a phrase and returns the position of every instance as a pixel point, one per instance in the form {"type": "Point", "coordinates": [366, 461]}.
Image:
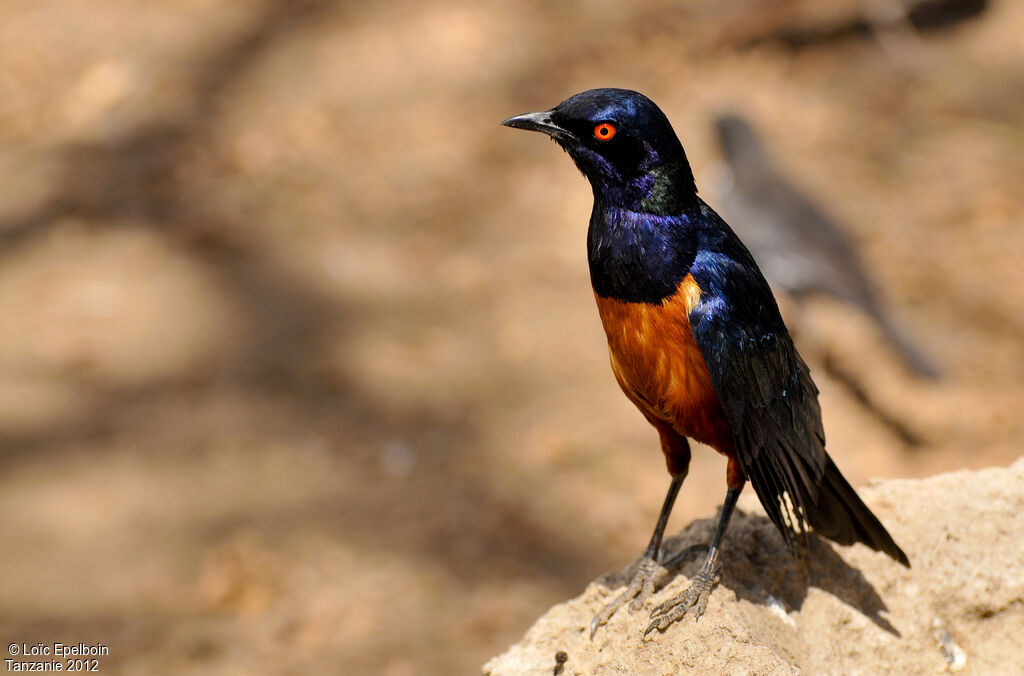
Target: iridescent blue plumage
{"type": "Point", "coordinates": [637, 257]}
{"type": "Point", "coordinates": [643, 168]}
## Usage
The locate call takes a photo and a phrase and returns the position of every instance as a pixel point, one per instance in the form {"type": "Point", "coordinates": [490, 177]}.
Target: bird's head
{"type": "Point", "coordinates": [624, 145]}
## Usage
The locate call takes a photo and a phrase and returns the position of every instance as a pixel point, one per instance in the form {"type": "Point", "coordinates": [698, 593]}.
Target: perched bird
{"type": "Point", "coordinates": [696, 340]}
{"type": "Point", "coordinates": [800, 248]}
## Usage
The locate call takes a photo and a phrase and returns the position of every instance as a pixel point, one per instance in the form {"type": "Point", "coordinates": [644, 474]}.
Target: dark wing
{"type": "Point", "coordinates": [764, 386]}
{"type": "Point", "coordinates": [771, 403]}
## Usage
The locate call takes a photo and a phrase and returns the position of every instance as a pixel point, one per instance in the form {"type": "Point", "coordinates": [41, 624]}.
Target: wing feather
{"type": "Point", "coordinates": [764, 386]}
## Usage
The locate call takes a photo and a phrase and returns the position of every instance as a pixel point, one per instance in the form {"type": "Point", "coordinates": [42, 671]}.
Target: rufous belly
{"type": "Point", "coordinates": [660, 366]}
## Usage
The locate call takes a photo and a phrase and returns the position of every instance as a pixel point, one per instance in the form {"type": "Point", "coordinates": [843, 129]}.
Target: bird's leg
{"type": "Point", "coordinates": [642, 584]}
{"type": "Point", "coordinates": [696, 596]}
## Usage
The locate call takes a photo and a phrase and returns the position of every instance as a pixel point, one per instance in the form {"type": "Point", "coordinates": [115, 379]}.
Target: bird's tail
{"type": "Point", "coordinates": [912, 356]}
{"type": "Point", "coordinates": [842, 517]}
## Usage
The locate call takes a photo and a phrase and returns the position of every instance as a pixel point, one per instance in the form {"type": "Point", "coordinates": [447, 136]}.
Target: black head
{"type": "Point", "coordinates": [624, 145]}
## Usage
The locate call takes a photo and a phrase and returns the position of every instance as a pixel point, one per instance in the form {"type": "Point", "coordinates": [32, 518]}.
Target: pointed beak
{"type": "Point", "coordinates": [541, 122]}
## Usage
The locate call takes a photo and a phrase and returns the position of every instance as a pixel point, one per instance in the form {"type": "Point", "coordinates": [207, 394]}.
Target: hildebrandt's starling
{"type": "Point", "coordinates": [696, 340]}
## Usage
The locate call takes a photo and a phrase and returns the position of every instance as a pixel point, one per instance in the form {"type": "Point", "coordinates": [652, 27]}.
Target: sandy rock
{"type": "Point", "coordinates": [854, 611]}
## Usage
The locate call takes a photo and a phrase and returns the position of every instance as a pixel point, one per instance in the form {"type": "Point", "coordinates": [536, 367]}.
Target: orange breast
{"type": "Point", "coordinates": [660, 367]}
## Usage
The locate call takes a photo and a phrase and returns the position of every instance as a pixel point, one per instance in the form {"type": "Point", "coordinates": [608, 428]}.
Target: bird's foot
{"type": "Point", "coordinates": [639, 590]}
{"type": "Point", "coordinates": [696, 597]}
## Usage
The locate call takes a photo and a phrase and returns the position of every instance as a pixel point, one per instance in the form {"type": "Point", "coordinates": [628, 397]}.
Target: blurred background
{"type": "Point", "coordinates": [299, 364]}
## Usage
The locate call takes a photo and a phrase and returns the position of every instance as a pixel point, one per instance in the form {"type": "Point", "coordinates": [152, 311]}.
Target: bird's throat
{"type": "Point", "coordinates": [636, 256]}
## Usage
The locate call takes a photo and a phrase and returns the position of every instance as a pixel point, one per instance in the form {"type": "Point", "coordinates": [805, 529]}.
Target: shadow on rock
{"type": "Point", "coordinates": [758, 567]}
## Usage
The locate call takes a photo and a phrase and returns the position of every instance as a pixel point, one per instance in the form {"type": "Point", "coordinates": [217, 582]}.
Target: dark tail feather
{"type": "Point", "coordinates": [842, 517]}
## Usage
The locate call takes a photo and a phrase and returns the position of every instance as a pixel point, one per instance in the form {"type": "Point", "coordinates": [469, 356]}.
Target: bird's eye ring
{"type": "Point", "coordinates": [604, 131]}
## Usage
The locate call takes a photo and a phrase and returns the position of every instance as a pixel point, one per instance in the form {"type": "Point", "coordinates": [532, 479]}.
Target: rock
{"type": "Point", "coordinates": [853, 611]}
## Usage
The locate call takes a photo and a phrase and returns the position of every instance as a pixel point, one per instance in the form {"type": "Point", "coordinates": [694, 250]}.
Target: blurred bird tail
{"type": "Point", "coordinates": [842, 517]}
{"type": "Point", "coordinates": [912, 356]}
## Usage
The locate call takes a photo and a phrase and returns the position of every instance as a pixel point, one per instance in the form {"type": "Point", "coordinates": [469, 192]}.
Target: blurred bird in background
{"type": "Point", "coordinates": [872, 19]}
{"type": "Point", "coordinates": [798, 245]}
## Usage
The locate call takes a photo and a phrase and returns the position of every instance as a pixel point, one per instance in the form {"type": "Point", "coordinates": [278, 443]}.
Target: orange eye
{"type": "Point", "coordinates": [604, 131]}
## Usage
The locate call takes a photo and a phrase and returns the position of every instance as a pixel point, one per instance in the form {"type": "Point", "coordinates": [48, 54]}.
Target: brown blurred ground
{"type": "Point", "coordinates": [293, 335]}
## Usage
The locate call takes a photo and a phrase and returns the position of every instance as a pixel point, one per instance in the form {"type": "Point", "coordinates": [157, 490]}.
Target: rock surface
{"type": "Point", "coordinates": [959, 608]}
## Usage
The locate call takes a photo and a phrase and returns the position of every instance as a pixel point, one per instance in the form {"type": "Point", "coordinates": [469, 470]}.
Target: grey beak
{"type": "Point", "coordinates": [538, 122]}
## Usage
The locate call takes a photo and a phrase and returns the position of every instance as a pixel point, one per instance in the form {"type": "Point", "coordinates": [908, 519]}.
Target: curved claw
{"type": "Point", "coordinates": [640, 588]}
{"type": "Point", "coordinates": [651, 627]}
